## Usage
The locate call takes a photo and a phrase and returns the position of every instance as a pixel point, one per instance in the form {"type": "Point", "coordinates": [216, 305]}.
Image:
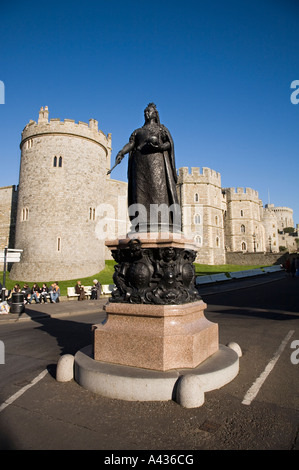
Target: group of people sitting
{"type": "Point", "coordinates": [95, 290]}
{"type": "Point", "coordinates": [52, 293]}
{"type": "Point", "coordinates": [38, 294]}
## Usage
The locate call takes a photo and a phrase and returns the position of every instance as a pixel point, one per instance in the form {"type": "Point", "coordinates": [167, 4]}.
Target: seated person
{"type": "Point", "coordinates": [15, 289]}
{"type": "Point", "coordinates": [79, 289]}
{"type": "Point", "coordinates": [43, 293]}
{"type": "Point", "coordinates": [96, 290]}
{"type": "Point", "coordinates": [35, 293]}
{"type": "Point", "coordinates": [27, 293]}
{"type": "Point", "coordinates": [55, 293]}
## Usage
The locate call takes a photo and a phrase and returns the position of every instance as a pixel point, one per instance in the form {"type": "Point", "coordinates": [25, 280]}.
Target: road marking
{"type": "Point", "coordinates": [14, 397]}
{"type": "Point", "coordinates": [255, 388]}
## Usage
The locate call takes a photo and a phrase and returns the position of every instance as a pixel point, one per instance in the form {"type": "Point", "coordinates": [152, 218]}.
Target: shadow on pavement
{"type": "Point", "coordinates": [70, 335]}
{"type": "Point", "coordinates": [277, 300]}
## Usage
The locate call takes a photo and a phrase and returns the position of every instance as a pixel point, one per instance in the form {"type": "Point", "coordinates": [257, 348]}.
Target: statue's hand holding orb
{"type": "Point", "coordinates": [153, 141]}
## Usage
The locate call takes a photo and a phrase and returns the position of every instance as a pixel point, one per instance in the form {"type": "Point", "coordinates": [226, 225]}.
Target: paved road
{"type": "Point", "coordinates": [262, 319]}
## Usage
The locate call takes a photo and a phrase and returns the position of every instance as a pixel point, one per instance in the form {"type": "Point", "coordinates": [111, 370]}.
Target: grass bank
{"type": "Point", "coordinates": [105, 276]}
{"type": "Point", "coordinates": [203, 269]}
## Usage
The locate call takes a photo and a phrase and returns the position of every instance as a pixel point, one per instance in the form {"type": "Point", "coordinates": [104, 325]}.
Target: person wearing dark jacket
{"type": "Point", "coordinates": [35, 291]}
{"type": "Point", "coordinates": [96, 290]}
{"type": "Point", "coordinates": [27, 293]}
{"type": "Point", "coordinates": [79, 289]}
{"type": "Point", "coordinates": [43, 293]}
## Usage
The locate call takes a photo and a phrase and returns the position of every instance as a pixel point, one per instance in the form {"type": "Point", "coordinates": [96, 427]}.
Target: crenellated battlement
{"type": "Point", "coordinates": [207, 176]}
{"type": "Point", "coordinates": [55, 126]}
{"type": "Point", "coordinates": [279, 209]}
{"type": "Point", "coordinates": [240, 193]}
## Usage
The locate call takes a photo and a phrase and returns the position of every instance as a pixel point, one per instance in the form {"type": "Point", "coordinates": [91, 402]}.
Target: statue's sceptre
{"type": "Point", "coordinates": [109, 171]}
{"type": "Point", "coordinates": [118, 159]}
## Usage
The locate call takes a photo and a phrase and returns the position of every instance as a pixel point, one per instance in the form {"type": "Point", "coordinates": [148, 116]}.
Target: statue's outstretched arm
{"type": "Point", "coordinates": [127, 148]}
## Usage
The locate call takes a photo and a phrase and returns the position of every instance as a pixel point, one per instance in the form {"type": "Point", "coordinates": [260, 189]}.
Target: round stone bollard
{"type": "Point", "coordinates": [65, 368]}
{"type": "Point", "coordinates": [190, 393]}
{"type": "Point", "coordinates": [235, 347]}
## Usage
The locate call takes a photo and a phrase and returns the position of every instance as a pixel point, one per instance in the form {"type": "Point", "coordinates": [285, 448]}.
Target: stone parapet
{"type": "Point", "coordinates": [241, 194]}
{"type": "Point", "coordinates": [195, 176]}
{"type": "Point", "coordinates": [67, 127]}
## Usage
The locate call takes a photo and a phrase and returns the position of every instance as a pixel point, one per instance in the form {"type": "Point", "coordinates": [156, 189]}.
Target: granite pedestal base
{"type": "Point", "coordinates": [185, 386]}
{"type": "Point", "coordinates": [156, 343]}
{"type": "Point", "coordinates": [156, 337]}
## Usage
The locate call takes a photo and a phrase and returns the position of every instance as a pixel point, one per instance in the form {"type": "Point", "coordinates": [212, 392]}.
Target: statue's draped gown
{"type": "Point", "coordinates": [151, 173]}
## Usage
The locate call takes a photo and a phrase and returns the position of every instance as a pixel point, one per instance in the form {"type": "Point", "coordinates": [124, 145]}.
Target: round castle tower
{"type": "Point", "coordinates": [284, 215]}
{"type": "Point", "coordinates": [271, 230]}
{"type": "Point", "coordinates": [62, 180]}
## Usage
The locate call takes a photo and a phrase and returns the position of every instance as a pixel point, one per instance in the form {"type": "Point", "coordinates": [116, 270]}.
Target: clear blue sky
{"type": "Point", "coordinates": [219, 72]}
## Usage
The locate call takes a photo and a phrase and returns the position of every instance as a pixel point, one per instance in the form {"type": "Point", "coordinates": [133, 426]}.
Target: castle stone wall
{"type": "Point", "coordinates": [8, 208]}
{"type": "Point", "coordinates": [255, 259]}
{"type": "Point", "coordinates": [116, 200]}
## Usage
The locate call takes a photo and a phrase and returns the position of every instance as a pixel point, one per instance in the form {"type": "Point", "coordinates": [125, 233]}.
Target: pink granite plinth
{"type": "Point", "coordinates": [157, 337]}
{"type": "Point", "coordinates": [154, 240]}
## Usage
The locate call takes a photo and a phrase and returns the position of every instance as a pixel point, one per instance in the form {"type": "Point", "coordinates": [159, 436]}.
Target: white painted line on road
{"type": "Point", "coordinates": [255, 388]}
{"type": "Point", "coordinates": [14, 397]}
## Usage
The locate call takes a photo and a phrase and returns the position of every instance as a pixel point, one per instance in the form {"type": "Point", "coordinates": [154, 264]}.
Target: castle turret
{"type": "Point", "coordinates": [62, 181]}
{"type": "Point", "coordinates": [243, 231]}
{"type": "Point", "coordinates": [43, 116]}
{"type": "Point", "coordinates": [284, 215]}
{"type": "Point", "coordinates": [201, 201]}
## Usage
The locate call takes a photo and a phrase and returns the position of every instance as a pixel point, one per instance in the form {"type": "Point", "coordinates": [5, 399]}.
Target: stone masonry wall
{"type": "Point", "coordinates": [8, 207]}
{"type": "Point", "coordinates": [255, 259]}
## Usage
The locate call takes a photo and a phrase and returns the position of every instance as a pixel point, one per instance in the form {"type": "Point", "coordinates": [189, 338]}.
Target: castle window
{"type": "Point", "coordinates": [29, 143]}
{"type": "Point", "coordinates": [197, 219]}
{"type": "Point", "coordinates": [216, 220]}
{"type": "Point", "coordinates": [197, 239]}
{"type": "Point", "coordinates": [217, 241]}
{"type": "Point", "coordinates": [243, 246]}
{"type": "Point", "coordinates": [57, 162]}
{"type": "Point", "coordinates": [242, 228]}
{"type": "Point", "coordinates": [196, 197]}
{"type": "Point", "coordinates": [92, 213]}
{"type": "Point", "coordinates": [242, 213]}
{"type": "Point", "coordinates": [25, 214]}
{"type": "Point", "coordinates": [58, 244]}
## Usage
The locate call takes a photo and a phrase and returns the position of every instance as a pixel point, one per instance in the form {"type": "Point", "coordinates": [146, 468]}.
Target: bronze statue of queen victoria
{"type": "Point", "coordinates": [152, 175]}
{"type": "Point", "coordinates": [162, 273]}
